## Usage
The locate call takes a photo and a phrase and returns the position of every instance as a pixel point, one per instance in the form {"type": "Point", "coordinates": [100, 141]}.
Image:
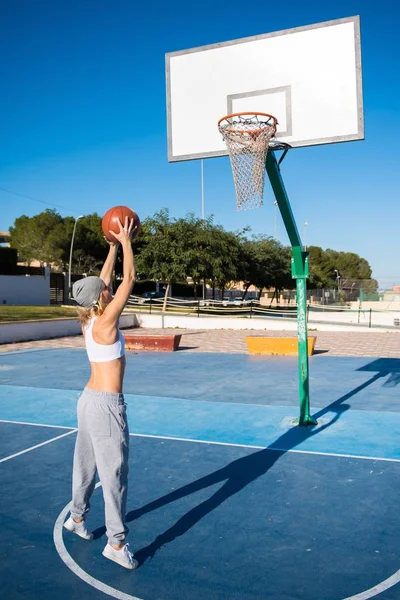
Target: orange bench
{"type": "Point", "coordinates": [273, 345]}
{"type": "Point", "coordinates": [152, 342]}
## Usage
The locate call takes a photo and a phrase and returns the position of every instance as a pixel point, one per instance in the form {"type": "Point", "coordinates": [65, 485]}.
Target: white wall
{"type": "Point", "coordinates": [25, 289]}
{"type": "Point", "coordinates": [148, 321]}
{"type": "Point", "coordinates": [23, 331]}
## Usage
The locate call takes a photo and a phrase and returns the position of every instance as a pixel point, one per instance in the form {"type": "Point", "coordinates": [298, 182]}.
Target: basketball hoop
{"type": "Point", "coordinates": [247, 137]}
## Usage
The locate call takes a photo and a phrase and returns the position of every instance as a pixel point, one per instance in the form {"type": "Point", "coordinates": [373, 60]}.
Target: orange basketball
{"type": "Point", "coordinates": [110, 220]}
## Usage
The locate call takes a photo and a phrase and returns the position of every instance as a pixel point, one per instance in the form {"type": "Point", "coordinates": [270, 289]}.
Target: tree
{"type": "Point", "coordinates": [248, 268]}
{"type": "Point", "coordinates": [172, 250]}
{"type": "Point", "coordinates": [84, 263]}
{"type": "Point", "coordinates": [34, 239]}
{"type": "Point", "coordinates": [282, 272]}
{"type": "Point", "coordinates": [90, 248]}
{"type": "Point", "coordinates": [328, 267]}
{"type": "Point", "coordinates": [47, 237]}
{"type": "Point", "coordinates": [350, 266]}
{"type": "Point", "coordinates": [321, 268]}
{"type": "Point", "coordinates": [176, 249]}
{"type": "Point", "coordinates": [222, 258]}
{"type": "Point", "coordinates": [163, 256]}
{"type": "Point", "coordinates": [265, 263]}
{"type": "Point", "coordinates": [194, 237]}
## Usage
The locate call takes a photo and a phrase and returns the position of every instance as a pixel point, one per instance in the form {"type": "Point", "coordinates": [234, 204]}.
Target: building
{"type": "Point", "coordinates": [5, 238]}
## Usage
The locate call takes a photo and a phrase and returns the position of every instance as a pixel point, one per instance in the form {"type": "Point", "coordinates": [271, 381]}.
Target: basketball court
{"type": "Point", "coordinates": [227, 499]}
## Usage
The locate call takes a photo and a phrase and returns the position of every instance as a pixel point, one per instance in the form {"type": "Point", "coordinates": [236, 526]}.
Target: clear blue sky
{"type": "Point", "coordinates": [83, 119]}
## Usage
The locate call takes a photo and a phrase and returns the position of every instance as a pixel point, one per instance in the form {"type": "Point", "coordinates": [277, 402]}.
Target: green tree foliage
{"type": "Point", "coordinates": [331, 268]}
{"type": "Point", "coordinates": [172, 250]}
{"type": "Point", "coordinates": [222, 257]}
{"type": "Point", "coordinates": [35, 237]}
{"type": "Point", "coordinates": [46, 237]}
{"type": "Point", "coordinates": [198, 242]}
{"type": "Point", "coordinates": [90, 248]}
{"type": "Point", "coordinates": [322, 274]}
{"type": "Point", "coordinates": [163, 255]}
{"type": "Point", "coordinates": [175, 249]}
{"type": "Point", "coordinates": [265, 263]}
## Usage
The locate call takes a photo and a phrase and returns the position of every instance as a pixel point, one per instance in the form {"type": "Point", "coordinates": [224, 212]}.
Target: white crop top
{"type": "Point", "coordinates": [103, 352]}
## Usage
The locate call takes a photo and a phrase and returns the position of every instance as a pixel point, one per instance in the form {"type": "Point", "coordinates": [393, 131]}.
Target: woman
{"type": "Point", "coordinates": [102, 442]}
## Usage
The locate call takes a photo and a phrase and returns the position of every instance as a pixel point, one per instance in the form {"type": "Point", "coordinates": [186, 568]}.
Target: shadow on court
{"type": "Point", "coordinates": [257, 513]}
{"type": "Point", "coordinates": [385, 367]}
{"type": "Point", "coordinates": [236, 475]}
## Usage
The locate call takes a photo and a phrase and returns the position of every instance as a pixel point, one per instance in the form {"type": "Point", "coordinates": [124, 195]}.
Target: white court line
{"type": "Point", "coordinates": [26, 350]}
{"type": "Point", "coordinates": [36, 424]}
{"type": "Point", "coordinates": [115, 593]}
{"type": "Point", "coordinates": [75, 568]}
{"type": "Point", "coordinates": [179, 439]}
{"type": "Point", "coordinates": [377, 589]}
{"type": "Point", "coordinates": [37, 446]}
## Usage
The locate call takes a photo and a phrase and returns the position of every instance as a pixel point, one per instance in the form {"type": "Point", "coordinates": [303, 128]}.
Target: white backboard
{"type": "Point", "coordinates": [308, 77]}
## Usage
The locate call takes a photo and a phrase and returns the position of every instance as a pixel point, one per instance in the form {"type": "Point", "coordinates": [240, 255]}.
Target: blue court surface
{"type": "Point", "coordinates": [228, 499]}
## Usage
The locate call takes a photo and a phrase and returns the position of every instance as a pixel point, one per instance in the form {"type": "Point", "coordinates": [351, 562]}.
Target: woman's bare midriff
{"type": "Point", "coordinates": [107, 376]}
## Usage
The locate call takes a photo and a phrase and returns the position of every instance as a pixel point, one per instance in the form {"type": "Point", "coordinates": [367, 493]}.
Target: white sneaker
{"type": "Point", "coordinates": [78, 528]}
{"type": "Point", "coordinates": [123, 557]}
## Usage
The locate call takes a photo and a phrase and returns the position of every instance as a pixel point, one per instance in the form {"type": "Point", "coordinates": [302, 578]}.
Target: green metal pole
{"type": "Point", "coordinates": [304, 387]}
{"type": "Point", "coordinates": [300, 274]}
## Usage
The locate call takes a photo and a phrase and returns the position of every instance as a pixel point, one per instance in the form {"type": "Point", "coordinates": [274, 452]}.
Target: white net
{"type": "Point", "coordinates": [247, 137]}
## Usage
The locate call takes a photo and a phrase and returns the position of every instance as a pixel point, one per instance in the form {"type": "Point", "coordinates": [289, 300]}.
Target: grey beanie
{"type": "Point", "coordinates": [86, 291]}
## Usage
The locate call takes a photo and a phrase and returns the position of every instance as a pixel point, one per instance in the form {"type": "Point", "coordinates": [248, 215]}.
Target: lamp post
{"type": "Point", "coordinates": [203, 216]}
{"type": "Point", "coordinates": [70, 254]}
{"type": "Point", "coordinates": [305, 235]}
{"type": "Point", "coordinates": [338, 281]}
{"type": "Point", "coordinates": [275, 209]}
{"type": "Point", "coordinates": [202, 189]}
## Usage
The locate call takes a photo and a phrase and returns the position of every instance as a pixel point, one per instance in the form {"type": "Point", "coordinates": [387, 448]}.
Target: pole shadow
{"type": "Point", "coordinates": [236, 476]}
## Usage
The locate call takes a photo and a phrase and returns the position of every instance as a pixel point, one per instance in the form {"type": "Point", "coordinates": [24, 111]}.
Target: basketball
{"type": "Point", "coordinates": [110, 220]}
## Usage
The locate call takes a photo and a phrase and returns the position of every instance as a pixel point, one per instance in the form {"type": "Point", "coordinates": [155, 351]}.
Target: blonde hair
{"type": "Point", "coordinates": [85, 314]}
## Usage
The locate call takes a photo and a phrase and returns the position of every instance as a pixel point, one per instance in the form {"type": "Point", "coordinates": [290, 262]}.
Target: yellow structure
{"type": "Point", "coordinates": [281, 346]}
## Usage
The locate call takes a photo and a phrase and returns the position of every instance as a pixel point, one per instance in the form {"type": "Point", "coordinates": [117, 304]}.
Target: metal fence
{"type": "Point", "coordinates": [252, 309]}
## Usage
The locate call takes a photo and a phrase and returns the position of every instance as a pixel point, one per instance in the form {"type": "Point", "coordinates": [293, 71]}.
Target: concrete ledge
{"type": "Point", "coordinates": [153, 343]}
{"type": "Point", "coordinates": [282, 346]}
{"type": "Point", "coordinates": [25, 331]}
{"type": "Point", "coordinates": [169, 320]}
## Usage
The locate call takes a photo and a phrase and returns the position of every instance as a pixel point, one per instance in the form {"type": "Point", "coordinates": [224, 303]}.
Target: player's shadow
{"type": "Point", "coordinates": [236, 475]}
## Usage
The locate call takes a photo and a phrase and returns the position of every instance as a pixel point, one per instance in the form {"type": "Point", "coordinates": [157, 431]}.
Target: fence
{"type": "Point", "coordinates": [58, 293]}
{"type": "Point", "coordinates": [252, 309]}
{"type": "Point", "coordinates": [21, 270]}
{"type": "Point", "coordinates": [349, 291]}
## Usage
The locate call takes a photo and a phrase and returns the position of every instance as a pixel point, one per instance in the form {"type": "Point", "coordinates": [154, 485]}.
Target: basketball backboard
{"type": "Point", "coordinates": [308, 77]}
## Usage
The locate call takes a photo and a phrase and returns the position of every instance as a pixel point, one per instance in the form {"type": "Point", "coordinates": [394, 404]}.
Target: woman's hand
{"type": "Point", "coordinates": [111, 243]}
{"type": "Point", "coordinates": [126, 231]}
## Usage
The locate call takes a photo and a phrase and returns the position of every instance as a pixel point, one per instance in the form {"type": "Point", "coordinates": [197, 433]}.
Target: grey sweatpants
{"type": "Point", "coordinates": [102, 445]}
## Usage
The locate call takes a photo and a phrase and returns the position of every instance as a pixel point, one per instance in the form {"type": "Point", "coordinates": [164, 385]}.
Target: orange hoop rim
{"type": "Point", "coordinates": [255, 114]}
